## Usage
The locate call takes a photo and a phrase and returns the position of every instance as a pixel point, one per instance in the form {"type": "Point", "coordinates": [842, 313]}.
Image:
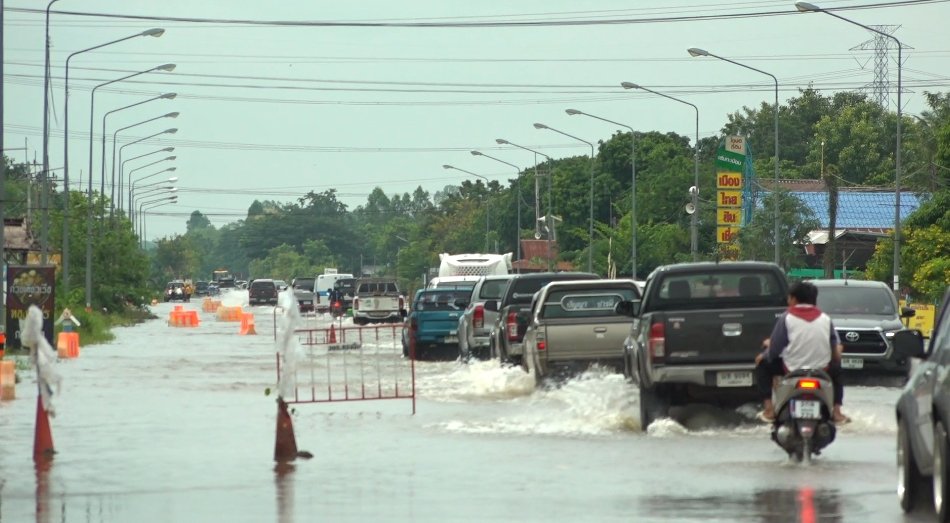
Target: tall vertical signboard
{"type": "Point", "coordinates": [730, 163]}
{"type": "Point", "coordinates": [29, 285]}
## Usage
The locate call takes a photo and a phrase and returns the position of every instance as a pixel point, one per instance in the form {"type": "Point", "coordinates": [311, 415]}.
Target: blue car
{"type": "Point", "coordinates": [431, 328]}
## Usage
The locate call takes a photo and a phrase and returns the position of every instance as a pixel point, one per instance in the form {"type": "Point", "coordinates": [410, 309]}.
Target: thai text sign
{"type": "Point", "coordinates": [29, 285]}
{"type": "Point", "coordinates": [730, 163]}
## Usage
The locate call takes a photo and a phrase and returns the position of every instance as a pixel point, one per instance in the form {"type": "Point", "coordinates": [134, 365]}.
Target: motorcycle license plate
{"type": "Point", "coordinates": [806, 409]}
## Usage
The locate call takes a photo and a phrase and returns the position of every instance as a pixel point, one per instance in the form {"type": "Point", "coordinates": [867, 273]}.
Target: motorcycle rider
{"type": "Point", "coordinates": [803, 337]}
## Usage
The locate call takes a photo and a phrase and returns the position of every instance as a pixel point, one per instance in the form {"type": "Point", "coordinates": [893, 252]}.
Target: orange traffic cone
{"type": "Point", "coordinates": [43, 437]}
{"type": "Point", "coordinates": [285, 448]}
{"type": "Point", "coordinates": [332, 338]}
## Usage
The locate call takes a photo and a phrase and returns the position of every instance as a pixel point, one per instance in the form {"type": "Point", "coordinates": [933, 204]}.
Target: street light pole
{"type": "Point", "coordinates": [693, 51]}
{"type": "Point", "coordinates": [92, 103]}
{"type": "Point", "coordinates": [633, 187]}
{"type": "Point", "coordinates": [806, 7]}
{"type": "Point", "coordinates": [550, 218]}
{"type": "Point", "coordinates": [173, 130]}
{"type": "Point", "coordinates": [590, 225]}
{"type": "Point", "coordinates": [115, 136]}
{"type": "Point", "coordinates": [694, 218]}
{"type": "Point", "coordinates": [487, 227]}
{"type": "Point", "coordinates": [132, 185]}
{"type": "Point", "coordinates": [168, 96]}
{"type": "Point", "coordinates": [518, 184]}
{"type": "Point", "coordinates": [44, 195]}
{"type": "Point", "coordinates": [151, 32]}
{"type": "Point", "coordinates": [171, 199]}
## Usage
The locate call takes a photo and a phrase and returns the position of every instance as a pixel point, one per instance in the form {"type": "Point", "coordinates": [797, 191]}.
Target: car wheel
{"type": "Point", "coordinates": [940, 491]}
{"type": "Point", "coordinates": [652, 406]}
{"type": "Point", "coordinates": [909, 478]}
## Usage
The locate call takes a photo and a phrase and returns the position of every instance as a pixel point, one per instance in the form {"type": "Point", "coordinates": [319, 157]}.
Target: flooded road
{"type": "Point", "coordinates": [174, 424]}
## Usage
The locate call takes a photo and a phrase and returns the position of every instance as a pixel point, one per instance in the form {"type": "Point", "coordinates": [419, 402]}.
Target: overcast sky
{"type": "Point", "coordinates": [357, 95]}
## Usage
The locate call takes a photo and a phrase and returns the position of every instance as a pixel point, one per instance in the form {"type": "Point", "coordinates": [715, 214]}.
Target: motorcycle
{"type": "Point", "coordinates": [336, 309]}
{"type": "Point", "coordinates": [804, 402]}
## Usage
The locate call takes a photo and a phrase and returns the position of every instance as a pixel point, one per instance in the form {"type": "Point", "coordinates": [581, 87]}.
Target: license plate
{"type": "Point", "coordinates": [852, 363]}
{"type": "Point", "coordinates": [805, 409]}
{"type": "Point", "coordinates": [734, 379]}
{"type": "Point", "coordinates": [451, 339]}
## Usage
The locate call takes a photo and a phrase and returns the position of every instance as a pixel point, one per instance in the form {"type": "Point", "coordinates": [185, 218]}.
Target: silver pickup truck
{"type": "Point", "coordinates": [573, 325]}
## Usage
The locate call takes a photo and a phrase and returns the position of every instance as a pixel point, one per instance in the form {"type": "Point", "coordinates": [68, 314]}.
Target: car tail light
{"type": "Point", "coordinates": [657, 342]}
{"type": "Point", "coordinates": [478, 317]}
{"type": "Point", "coordinates": [511, 325]}
{"type": "Point", "coordinates": [808, 384]}
{"type": "Point", "coordinates": [541, 343]}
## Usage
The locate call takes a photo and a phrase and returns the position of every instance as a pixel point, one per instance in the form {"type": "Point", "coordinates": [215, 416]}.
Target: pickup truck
{"type": "Point", "coordinates": [866, 316]}
{"type": "Point", "coordinates": [696, 332]}
{"type": "Point", "coordinates": [573, 324]}
{"type": "Point", "coordinates": [377, 300]}
{"type": "Point", "coordinates": [432, 324]}
{"type": "Point", "coordinates": [476, 323]}
{"type": "Point", "coordinates": [513, 308]}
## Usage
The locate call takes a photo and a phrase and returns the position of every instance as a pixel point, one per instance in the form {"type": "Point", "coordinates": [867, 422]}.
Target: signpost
{"type": "Point", "coordinates": [730, 164]}
{"type": "Point", "coordinates": [29, 285]}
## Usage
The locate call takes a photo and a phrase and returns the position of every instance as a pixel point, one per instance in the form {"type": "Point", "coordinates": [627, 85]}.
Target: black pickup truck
{"type": "Point", "coordinates": [696, 333]}
{"type": "Point", "coordinates": [514, 308]}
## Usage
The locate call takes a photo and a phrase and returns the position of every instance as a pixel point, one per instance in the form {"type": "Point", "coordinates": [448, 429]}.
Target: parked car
{"type": "Point", "coordinates": [303, 292]}
{"type": "Point", "coordinates": [262, 290]}
{"type": "Point", "coordinates": [476, 323]}
{"type": "Point", "coordinates": [176, 290]}
{"type": "Point", "coordinates": [431, 327]}
{"type": "Point", "coordinates": [573, 325]}
{"type": "Point", "coordinates": [866, 316]}
{"type": "Point", "coordinates": [923, 415]}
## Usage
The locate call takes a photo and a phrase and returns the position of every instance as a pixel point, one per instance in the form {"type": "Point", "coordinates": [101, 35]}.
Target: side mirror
{"type": "Point", "coordinates": [909, 343]}
{"type": "Point", "coordinates": [491, 305]}
{"type": "Point", "coordinates": [908, 312]}
{"type": "Point", "coordinates": [628, 308]}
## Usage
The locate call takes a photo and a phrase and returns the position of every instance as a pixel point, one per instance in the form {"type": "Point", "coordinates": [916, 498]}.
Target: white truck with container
{"type": "Point", "coordinates": [464, 270]}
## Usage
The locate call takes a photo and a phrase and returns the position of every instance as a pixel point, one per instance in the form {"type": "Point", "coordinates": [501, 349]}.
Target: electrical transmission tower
{"type": "Point", "coordinates": [881, 86]}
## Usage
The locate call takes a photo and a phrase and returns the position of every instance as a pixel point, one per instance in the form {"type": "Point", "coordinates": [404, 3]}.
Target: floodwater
{"type": "Point", "coordinates": [176, 424]}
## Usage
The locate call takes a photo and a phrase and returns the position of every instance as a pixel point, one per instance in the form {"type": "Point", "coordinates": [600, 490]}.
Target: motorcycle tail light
{"type": "Point", "coordinates": [808, 384]}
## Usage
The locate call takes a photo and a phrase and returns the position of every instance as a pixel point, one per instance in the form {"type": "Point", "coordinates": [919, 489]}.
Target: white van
{"type": "Point", "coordinates": [322, 285]}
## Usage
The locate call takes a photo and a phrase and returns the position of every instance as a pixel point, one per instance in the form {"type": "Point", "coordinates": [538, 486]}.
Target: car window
{"type": "Point", "coordinates": [702, 288]}
{"type": "Point", "coordinates": [877, 301]}
{"type": "Point", "coordinates": [440, 301]}
{"type": "Point", "coordinates": [492, 289]}
{"type": "Point", "coordinates": [584, 303]}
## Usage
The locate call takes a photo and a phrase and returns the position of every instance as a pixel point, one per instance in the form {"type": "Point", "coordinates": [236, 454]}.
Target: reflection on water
{"type": "Point", "coordinates": [802, 505]}
{"type": "Point", "coordinates": [284, 480]}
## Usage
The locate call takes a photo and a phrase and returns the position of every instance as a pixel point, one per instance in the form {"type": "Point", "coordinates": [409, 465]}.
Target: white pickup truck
{"type": "Point", "coordinates": [377, 300]}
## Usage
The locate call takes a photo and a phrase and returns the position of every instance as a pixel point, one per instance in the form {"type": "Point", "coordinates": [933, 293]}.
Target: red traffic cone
{"type": "Point", "coordinates": [43, 437]}
{"type": "Point", "coordinates": [332, 337]}
{"type": "Point", "coordinates": [285, 448]}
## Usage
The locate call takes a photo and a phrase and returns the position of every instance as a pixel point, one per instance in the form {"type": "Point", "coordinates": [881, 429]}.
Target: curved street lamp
{"type": "Point", "coordinates": [150, 207]}
{"type": "Point", "coordinates": [517, 197]}
{"type": "Point", "coordinates": [115, 136]}
{"type": "Point", "coordinates": [132, 186]}
{"type": "Point", "coordinates": [502, 141]}
{"type": "Point", "coordinates": [633, 186]}
{"type": "Point", "coordinates": [694, 218]}
{"type": "Point", "coordinates": [487, 227]}
{"type": "Point", "coordinates": [151, 32]}
{"type": "Point", "coordinates": [166, 96]}
{"type": "Point", "coordinates": [590, 226]}
{"type": "Point", "coordinates": [805, 7]}
{"type": "Point", "coordinates": [154, 199]}
{"type": "Point", "coordinates": [693, 51]}
{"type": "Point", "coordinates": [173, 130]}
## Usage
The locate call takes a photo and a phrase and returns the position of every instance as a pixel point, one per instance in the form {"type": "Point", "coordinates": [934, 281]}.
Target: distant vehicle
{"type": "Point", "coordinates": [572, 325]}
{"type": "Point", "coordinates": [263, 291]}
{"type": "Point", "coordinates": [176, 290]}
{"type": "Point", "coordinates": [923, 414]}
{"type": "Point", "coordinates": [462, 271]}
{"type": "Point", "coordinates": [377, 300]}
{"type": "Point", "coordinates": [223, 278]}
{"type": "Point", "coordinates": [321, 287]}
{"type": "Point", "coordinates": [866, 316]}
{"type": "Point", "coordinates": [303, 292]}
{"type": "Point", "coordinates": [201, 288]}
{"type": "Point", "coordinates": [213, 289]}
{"type": "Point", "coordinates": [240, 284]}
{"type": "Point", "coordinates": [281, 285]}
{"type": "Point", "coordinates": [346, 287]}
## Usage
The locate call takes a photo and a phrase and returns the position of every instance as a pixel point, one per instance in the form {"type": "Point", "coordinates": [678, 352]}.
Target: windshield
{"type": "Point", "coordinates": [441, 300]}
{"type": "Point", "coordinates": [697, 290]}
{"type": "Point", "coordinates": [585, 303]}
{"type": "Point", "coordinates": [856, 300]}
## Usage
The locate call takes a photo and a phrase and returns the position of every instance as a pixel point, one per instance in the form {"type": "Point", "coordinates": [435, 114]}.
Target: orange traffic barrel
{"type": "Point", "coordinates": [7, 380]}
{"type": "Point", "coordinates": [67, 345]}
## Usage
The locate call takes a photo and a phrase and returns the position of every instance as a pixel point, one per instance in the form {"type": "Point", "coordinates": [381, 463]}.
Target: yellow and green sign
{"type": "Point", "coordinates": [730, 186]}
